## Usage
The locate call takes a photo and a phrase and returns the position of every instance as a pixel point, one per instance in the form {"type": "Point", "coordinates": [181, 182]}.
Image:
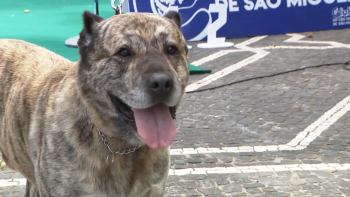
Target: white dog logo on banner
{"type": "Point", "coordinates": [163, 6]}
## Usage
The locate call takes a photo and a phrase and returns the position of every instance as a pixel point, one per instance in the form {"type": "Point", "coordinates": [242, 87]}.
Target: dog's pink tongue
{"type": "Point", "coordinates": [155, 125]}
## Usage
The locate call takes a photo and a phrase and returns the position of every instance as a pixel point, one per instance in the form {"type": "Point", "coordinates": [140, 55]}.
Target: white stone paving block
{"type": "Point", "coordinates": [246, 149]}
{"type": "Point", "coordinates": [176, 152]}
{"type": "Point", "coordinates": [294, 142]}
{"type": "Point", "coordinates": [171, 172]}
{"type": "Point", "coordinates": [320, 165]}
{"type": "Point", "coordinates": [201, 149]}
{"type": "Point", "coordinates": [266, 170]}
{"type": "Point", "coordinates": [6, 183]}
{"type": "Point", "coordinates": [281, 168]}
{"type": "Point", "coordinates": [323, 167]}
{"type": "Point", "coordinates": [230, 149]}
{"type": "Point", "coordinates": [291, 166]}
{"type": "Point", "coordinates": [188, 149]}
{"type": "Point", "coordinates": [182, 173]}
{"type": "Point", "coordinates": [204, 151]}
{"type": "Point", "coordinates": [272, 148]}
{"type": "Point", "coordinates": [219, 151]}
{"type": "Point", "coordinates": [249, 170]}
{"type": "Point", "coordinates": [341, 168]}
{"type": "Point", "coordinates": [21, 181]}
{"type": "Point", "coordinates": [296, 169]}
{"type": "Point", "coordinates": [300, 147]}
{"type": "Point", "coordinates": [201, 169]}
{"type": "Point", "coordinates": [334, 165]}
{"type": "Point", "coordinates": [285, 147]}
{"type": "Point", "coordinates": [243, 167]}
{"type": "Point", "coordinates": [305, 165]}
{"type": "Point", "coordinates": [274, 166]}
{"type": "Point", "coordinates": [190, 152]}
{"type": "Point", "coordinates": [198, 172]}
{"type": "Point", "coordinates": [309, 168]}
{"type": "Point", "coordinates": [216, 172]}
{"type": "Point", "coordinates": [233, 170]}
{"type": "Point", "coordinates": [260, 148]}
{"type": "Point", "coordinates": [218, 168]}
{"type": "Point", "coordinates": [258, 167]}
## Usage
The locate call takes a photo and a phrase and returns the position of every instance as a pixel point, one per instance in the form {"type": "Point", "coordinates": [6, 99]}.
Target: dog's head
{"type": "Point", "coordinates": [133, 72]}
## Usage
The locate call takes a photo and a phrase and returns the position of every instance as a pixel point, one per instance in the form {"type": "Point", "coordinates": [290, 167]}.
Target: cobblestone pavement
{"type": "Point", "coordinates": [280, 136]}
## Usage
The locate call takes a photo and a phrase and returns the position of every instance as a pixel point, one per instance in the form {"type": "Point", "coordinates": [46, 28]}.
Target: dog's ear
{"type": "Point", "coordinates": [174, 16]}
{"type": "Point", "coordinates": [90, 21]}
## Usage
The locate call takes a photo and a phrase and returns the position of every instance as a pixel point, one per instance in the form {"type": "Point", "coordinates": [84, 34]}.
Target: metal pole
{"type": "Point", "coordinates": [96, 7]}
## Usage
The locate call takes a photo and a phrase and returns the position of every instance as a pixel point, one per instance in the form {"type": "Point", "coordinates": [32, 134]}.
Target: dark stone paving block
{"type": "Point", "coordinates": [225, 159]}
{"type": "Point", "coordinates": [315, 180]}
{"type": "Point", "coordinates": [329, 186]}
{"type": "Point", "coordinates": [232, 188]}
{"type": "Point", "coordinates": [279, 194]}
{"type": "Point", "coordinates": [5, 176]}
{"type": "Point", "coordinates": [221, 181]}
{"type": "Point", "coordinates": [264, 174]}
{"type": "Point", "coordinates": [193, 193]}
{"type": "Point", "coordinates": [346, 191]}
{"type": "Point", "coordinates": [180, 162]}
{"type": "Point", "coordinates": [190, 184]}
{"type": "Point", "coordinates": [208, 183]}
{"type": "Point", "coordinates": [344, 184]}
{"type": "Point", "coordinates": [210, 160]}
{"type": "Point", "coordinates": [253, 191]}
{"type": "Point", "coordinates": [288, 188]}
{"type": "Point", "coordinates": [194, 160]}
{"type": "Point", "coordinates": [253, 185]}
{"type": "Point", "coordinates": [284, 173]}
{"type": "Point", "coordinates": [194, 177]}
{"type": "Point", "coordinates": [310, 187]}
{"type": "Point", "coordinates": [237, 194]}
{"type": "Point", "coordinates": [242, 180]}
{"type": "Point", "coordinates": [174, 190]}
{"type": "Point", "coordinates": [277, 183]}
{"type": "Point", "coordinates": [210, 191]}
{"type": "Point", "coordinates": [268, 189]}
{"type": "Point", "coordinates": [310, 161]}
{"type": "Point", "coordinates": [298, 182]}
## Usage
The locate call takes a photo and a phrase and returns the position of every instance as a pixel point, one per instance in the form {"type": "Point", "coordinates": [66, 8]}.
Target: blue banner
{"type": "Point", "coordinates": [252, 17]}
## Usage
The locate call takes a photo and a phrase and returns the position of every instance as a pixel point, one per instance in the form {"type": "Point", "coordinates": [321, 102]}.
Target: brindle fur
{"type": "Point", "coordinates": [50, 107]}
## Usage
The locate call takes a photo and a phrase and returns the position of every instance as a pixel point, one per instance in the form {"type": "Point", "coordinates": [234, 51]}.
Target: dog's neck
{"type": "Point", "coordinates": [86, 119]}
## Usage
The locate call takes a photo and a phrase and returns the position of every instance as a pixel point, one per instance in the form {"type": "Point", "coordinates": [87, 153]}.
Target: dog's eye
{"type": "Point", "coordinates": [171, 50]}
{"type": "Point", "coordinates": [124, 52]}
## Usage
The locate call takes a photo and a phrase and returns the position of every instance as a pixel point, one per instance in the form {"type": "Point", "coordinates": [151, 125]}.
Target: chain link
{"type": "Point", "coordinates": [105, 142]}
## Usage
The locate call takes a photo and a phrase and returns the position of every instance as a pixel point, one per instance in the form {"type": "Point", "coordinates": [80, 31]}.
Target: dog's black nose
{"type": "Point", "coordinates": [160, 83]}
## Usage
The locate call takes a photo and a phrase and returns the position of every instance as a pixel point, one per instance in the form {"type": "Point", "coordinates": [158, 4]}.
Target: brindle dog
{"type": "Point", "coordinates": [131, 75]}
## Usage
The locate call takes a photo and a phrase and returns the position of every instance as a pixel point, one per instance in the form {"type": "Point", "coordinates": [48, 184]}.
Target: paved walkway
{"type": "Point", "coordinates": [280, 136]}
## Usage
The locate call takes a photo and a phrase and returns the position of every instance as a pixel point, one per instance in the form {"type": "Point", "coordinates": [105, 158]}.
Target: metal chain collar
{"type": "Point", "coordinates": [111, 152]}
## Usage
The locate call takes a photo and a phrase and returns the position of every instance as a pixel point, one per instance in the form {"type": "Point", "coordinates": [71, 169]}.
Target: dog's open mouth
{"type": "Point", "coordinates": [155, 124]}
{"type": "Point", "coordinates": [125, 112]}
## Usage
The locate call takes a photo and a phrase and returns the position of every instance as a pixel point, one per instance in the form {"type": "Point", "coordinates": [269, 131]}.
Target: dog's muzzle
{"type": "Point", "coordinates": [125, 112]}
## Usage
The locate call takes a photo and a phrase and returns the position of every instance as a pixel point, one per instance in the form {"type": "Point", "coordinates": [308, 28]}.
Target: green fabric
{"type": "Point", "coordinates": [198, 70]}
{"type": "Point", "coordinates": [50, 22]}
